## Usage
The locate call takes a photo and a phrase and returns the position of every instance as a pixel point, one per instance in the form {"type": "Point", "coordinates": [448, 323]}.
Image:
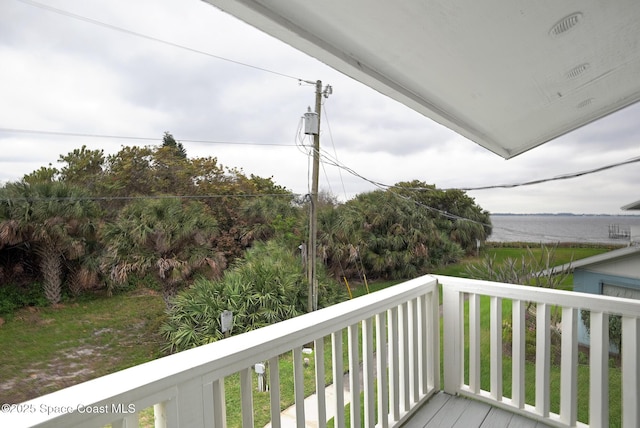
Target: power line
{"type": "Point", "coordinates": [560, 177]}
{"type": "Point", "coordinates": [133, 198]}
{"type": "Point", "coordinates": [127, 137]}
{"type": "Point", "coordinates": [155, 39]}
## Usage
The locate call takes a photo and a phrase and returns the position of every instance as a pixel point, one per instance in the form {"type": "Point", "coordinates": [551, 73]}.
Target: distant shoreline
{"type": "Point", "coordinates": [561, 215]}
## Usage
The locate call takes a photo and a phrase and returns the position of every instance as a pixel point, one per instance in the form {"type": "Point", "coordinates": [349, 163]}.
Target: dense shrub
{"type": "Point", "coordinates": [266, 286]}
{"type": "Point", "coordinates": [14, 297]}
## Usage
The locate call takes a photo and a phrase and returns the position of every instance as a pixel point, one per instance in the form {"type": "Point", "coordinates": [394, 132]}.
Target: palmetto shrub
{"type": "Point", "coordinates": [267, 286]}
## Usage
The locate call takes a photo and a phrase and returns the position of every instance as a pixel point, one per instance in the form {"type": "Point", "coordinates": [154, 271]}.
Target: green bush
{"type": "Point", "coordinates": [265, 287]}
{"type": "Point", "coordinates": [14, 297]}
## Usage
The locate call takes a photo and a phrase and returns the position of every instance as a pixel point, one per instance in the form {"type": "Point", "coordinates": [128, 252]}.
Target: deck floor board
{"type": "Point", "coordinates": [444, 410]}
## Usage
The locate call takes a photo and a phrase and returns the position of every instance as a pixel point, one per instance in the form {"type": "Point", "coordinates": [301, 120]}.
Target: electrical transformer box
{"type": "Point", "coordinates": [311, 123]}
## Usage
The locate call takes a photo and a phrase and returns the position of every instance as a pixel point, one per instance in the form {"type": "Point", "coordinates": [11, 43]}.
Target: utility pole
{"type": "Point", "coordinates": [312, 302]}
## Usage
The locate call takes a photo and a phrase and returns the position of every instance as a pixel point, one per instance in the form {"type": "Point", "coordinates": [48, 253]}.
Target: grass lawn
{"type": "Point", "coordinates": [49, 348]}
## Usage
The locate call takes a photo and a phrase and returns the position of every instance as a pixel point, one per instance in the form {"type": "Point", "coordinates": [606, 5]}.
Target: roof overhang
{"type": "Point", "coordinates": [594, 260]}
{"type": "Point", "coordinates": [632, 206]}
{"type": "Point", "coordinates": [507, 74]}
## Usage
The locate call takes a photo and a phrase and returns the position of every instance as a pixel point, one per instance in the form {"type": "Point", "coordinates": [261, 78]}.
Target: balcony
{"type": "Point", "coordinates": [395, 332]}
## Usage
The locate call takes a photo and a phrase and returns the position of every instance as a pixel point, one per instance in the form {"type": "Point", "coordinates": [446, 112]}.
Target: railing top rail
{"type": "Point", "coordinates": [216, 360]}
{"type": "Point", "coordinates": [570, 299]}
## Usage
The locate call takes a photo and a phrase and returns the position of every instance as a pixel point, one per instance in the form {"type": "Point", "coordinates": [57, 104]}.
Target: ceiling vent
{"type": "Point", "coordinates": [577, 71]}
{"type": "Point", "coordinates": [565, 24]}
{"type": "Point", "coordinates": [585, 103]}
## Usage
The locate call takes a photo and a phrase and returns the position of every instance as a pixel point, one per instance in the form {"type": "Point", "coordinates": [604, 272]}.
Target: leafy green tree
{"type": "Point", "coordinates": [54, 220]}
{"type": "Point", "coordinates": [83, 167]}
{"type": "Point", "coordinates": [169, 141]}
{"type": "Point", "coordinates": [270, 217]}
{"type": "Point", "coordinates": [43, 174]}
{"type": "Point", "coordinates": [264, 287]}
{"type": "Point", "coordinates": [393, 236]}
{"type": "Point", "coordinates": [452, 210]}
{"type": "Point", "coordinates": [167, 238]}
{"type": "Point", "coordinates": [129, 172]}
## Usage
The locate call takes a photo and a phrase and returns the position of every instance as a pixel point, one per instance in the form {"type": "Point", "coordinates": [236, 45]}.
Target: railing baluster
{"type": "Point", "coordinates": [318, 349]}
{"type": "Point", "coordinates": [246, 396]}
{"type": "Point", "coordinates": [474, 343]}
{"type": "Point", "coordinates": [423, 355]}
{"type": "Point", "coordinates": [338, 377]}
{"type": "Point", "coordinates": [414, 365]}
{"type": "Point", "coordinates": [274, 391]}
{"type": "Point", "coordinates": [518, 336]}
{"type": "Point", "coordinates": [496, 347]}
{"type": "Point", "coordinates": [381, 368]}
{"type": "Point", "coordinates": [433, 334]}
{"type": "Point", "coordinates": [599, 370]}
{"type": "Point", "coordinates": [543, 359]}
{"type": "Point", "coordinates": [298, 386]}
{"type": "Point", "coordinates": [354, 375]}
{"type": "Point", "coordinates": [394, 364]}
{"type": "Point", "coordinates": [219, 403]}
{"type": "Point", "coordinates": [631, 370]}
{"type": "Point", "coordinates": [569, 367]}
{"type": "Point", "coordinates": [160, 415]}
{"type": "Point", "coordinates": [403, 323]}
{"type": "Point", "coordinates": [128, 421]}
{"type": "Point", "coordinates": [368, 373]}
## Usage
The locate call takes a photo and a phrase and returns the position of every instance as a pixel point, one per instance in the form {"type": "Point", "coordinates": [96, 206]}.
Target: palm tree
{"type": "Point", "coordinates": [167, 238]}
{"type": "Point", "coordinates": [54, 220]}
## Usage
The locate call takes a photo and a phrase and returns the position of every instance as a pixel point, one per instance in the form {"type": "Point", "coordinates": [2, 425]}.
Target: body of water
{"type": "Point", "coordinates": [560, 228]}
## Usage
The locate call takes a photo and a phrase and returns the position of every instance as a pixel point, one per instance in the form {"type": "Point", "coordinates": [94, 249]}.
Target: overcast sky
{"type": "Point", "coordinates": [63, 74]}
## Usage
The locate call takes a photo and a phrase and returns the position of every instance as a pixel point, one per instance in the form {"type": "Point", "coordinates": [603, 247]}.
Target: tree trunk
{"type": "Point", "coordinates": [51, 268]}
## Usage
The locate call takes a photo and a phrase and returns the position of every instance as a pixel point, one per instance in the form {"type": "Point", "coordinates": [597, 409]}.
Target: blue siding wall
{"type": "Point", "coordinates": [585, 281]}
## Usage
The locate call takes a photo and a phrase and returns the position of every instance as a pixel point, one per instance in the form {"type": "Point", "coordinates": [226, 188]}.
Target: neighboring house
{"type": "Point", "coordinates": [615, 273]}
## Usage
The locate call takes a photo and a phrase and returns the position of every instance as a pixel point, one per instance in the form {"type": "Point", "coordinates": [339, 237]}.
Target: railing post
{"type": "Point", "coordinates": [354, 374]}
{"type": "Point", "coordinates": [246, 396]}
{"type": "Point", "coordinates": [298, 386]}
{"type": "Point", "coordinates": [403, 323]}
{"type": "Point", "coordinates": [160, 415]}
{"type": "Point", "coordinates": [394, 363]}
{"type": "Point", "coordinates": [452, 339]}
{"type": "Point", "coordinates": [631, 372]}
{"type": "Point", "coordinates": [318, 350]}
{"type": "Point", "coordinates": [381, 361]}
{"type": "Point", "coordinates": [338, 377]}
{"type": "Point", "coordinates": [569, 367]}
{"type": "Point", "coordinates": [474, 343]}
{"type": "Point", "coordinates": [215, 412]}
{"type": "Point", "coordinates": [274, 391]}
{"type": "Point", "coordinates": [518, 336]}
{"type": "Point", "coordinates": [414, 347]}
{"type": "Point", "coordinates": [434, 339]}
{"type": "Point", "coordinates": [543, 359]}
{"type": "Point", "coordinates": [599, 370]}
{"type": "Point", "coordinates": [367, 373]}
{"type": "Point", "coordinates": [496, 347]}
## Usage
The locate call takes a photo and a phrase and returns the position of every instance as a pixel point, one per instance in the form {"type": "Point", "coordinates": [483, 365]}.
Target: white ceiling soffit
{"type": "Point", "coordinates": [507, 74]}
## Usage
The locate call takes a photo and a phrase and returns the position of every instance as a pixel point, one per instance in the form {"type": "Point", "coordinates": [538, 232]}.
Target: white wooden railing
{"type": "Point", "coordinates": [187, 389]}
{"type": "Point", "coordinates": [399, 330]}
{"type": "Point", "coordinates": [457, 290]}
